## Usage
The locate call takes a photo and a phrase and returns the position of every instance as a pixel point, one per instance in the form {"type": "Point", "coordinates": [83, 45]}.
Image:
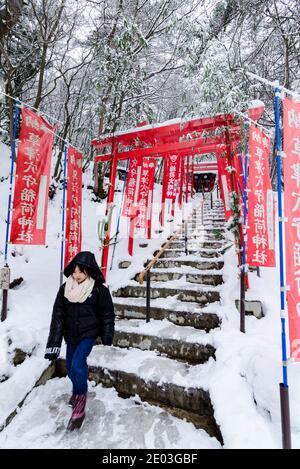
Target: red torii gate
{"type": "Point", "coordinates": [186, 138]}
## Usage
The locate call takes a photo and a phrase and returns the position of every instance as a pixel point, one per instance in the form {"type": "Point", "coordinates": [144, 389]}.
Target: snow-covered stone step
{"type": "Point", "coordinates": [160, 275]}
{"type": "Point", "coordinates": [208, 230]}
{"type": "Point", "coordinates": [205, 219]}
{"type": "Point", "coordinates": [213, 225]}
{"type": "Point", "coordinates": [43, 420]}
{"type": "Point", "coordinates": [176, 253]}
{"type": "Point", "coordinates": [200, 236]}
{"type": "Point", "coordinates": [157, 380]}
{"type": "Point", "coordinates": [200, 265]}
{"type": "Point", "coordinates": [204, 229]}
{"type": "Point", "coordinates": [197, 237]}
{"type": "Point", "coordinates": [135, 308]}
{"type": "Point", "coordinates": [174, 341]}
{"type": "Point", "coordinates": [194, 245]}
{"type": "Point", "coordinates": [200, 294]}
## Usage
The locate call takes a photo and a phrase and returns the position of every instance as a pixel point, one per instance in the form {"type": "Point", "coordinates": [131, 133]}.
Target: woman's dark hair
{"type": "Point", "coordinates": [85, 270]}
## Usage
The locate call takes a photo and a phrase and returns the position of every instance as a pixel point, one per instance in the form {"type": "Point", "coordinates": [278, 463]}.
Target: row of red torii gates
{"type": "Point", "coordinates": [185, 138]}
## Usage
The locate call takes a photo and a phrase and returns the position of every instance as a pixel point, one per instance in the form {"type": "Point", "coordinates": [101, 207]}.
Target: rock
{"type": "Point", "coordinates": [19, 357]}
{"type": "Point", "coordinates": [252, 308]}
{"type": "Point", "coordinates": [124, 264]}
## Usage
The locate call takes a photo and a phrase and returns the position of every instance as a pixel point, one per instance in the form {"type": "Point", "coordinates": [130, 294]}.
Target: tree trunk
{"type": "Point", "coordinates": [41, 76]}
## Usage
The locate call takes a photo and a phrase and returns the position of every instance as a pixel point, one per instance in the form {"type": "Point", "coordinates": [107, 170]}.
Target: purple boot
{"type": "Point", "coordinates": [71, 400]}
{"type": "Point", "coordinates": [78, 413]}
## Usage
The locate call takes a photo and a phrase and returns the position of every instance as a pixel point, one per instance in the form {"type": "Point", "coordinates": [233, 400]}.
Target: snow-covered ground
{"type": "Point", "coordinates": [243, 381]}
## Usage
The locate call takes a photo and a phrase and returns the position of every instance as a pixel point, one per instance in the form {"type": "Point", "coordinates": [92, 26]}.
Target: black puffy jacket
{"type": "Point", "coordinates": [76, 321]}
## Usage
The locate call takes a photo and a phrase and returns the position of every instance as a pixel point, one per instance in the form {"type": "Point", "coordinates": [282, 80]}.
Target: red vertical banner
{"type": "Point", "coordinates": [145, 192]}
{"type": "Point", "coordinates": [130, 207]}
{"type": "Point", "coordinates": [291, 125]}
{"type": "Point", "coordinates": [73, 229]}
{"type": "Point", "coordinates": [30, 207]}
{"type": "Point", "coordinates": [224, 179]}
{"type": "Point", "coordinates": [182, 159]}
{"type": "Point", "coordinates": [261, 237]}
{"type": "Point", "coordinates": [132, 185]}
{"type": "Point", "coordinates": [171, 181]}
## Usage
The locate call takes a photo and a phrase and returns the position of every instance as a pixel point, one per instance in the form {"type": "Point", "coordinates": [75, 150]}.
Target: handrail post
{"type": "Point", "coordinates": [148, 292]}
{"type": "Point", "coordinates": [186, 238]}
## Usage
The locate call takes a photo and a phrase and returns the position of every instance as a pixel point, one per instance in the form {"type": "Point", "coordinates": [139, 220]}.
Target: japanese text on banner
{"type": "Point", "coordinates": [132, 185]}
{"type": "Point", "coordinates": [261, 242]}
{"type": "Point", "coordinates": [30, 204]}
{"type": "Point", "coordinates": [73, 229]}
{"type": "Point", "coordinates": [145, 190]}
{"type": "Point", "coordinates": [291, 121]}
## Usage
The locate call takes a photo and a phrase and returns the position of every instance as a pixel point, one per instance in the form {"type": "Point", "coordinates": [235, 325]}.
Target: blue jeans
{"type": "Point", "coordinates": [77, 367]}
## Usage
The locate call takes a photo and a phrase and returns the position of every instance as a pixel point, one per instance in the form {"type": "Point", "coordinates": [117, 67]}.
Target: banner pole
{"type": "Point", "coordinates": [244, 253]}
{"type": "Point", "coordinates": [63, 217]}
{"type": "Point", "coordinates": [284, 388]}
{"type": "Point", "coordinates": [13, 158]}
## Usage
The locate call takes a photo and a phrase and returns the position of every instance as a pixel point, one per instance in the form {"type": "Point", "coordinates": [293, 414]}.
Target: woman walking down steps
{"type": "Point", "coordinates": [83, 310]}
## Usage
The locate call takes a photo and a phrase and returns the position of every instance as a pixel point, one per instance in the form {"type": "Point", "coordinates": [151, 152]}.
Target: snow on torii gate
{"type": "Point", "coordinates": [186, 138]}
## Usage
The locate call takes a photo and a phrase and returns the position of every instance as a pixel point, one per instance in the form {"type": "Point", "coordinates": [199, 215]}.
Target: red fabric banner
{"type": "Point", "coordinates": [73, 229]}
{"type": "Point", "coordinates": [171, 176]}
{"type": "Point", "coordinates": [182, 159]}
{"type": "Point", "coordinates": [132, 186]}
{"type": "Point", "coordinates": [291, 124]}
{"type": "Point", "coordinates": [145, 192]}
{"type": "Point", "coordinates": [224, 179]}
{"type": "Point", "coordinates": [29, 220]}
{"type": "Point", "coordinates": [171, 181]}
{"type": "Point", "coordinates": [261, 237]}
{"type": "Point", "coordinates": [140, 181]}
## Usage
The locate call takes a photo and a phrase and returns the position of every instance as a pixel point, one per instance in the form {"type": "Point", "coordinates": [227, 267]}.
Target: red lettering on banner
{"type": "Point", "coordinates": [171, 177]}
{"type": "Point", "coordinates": [73, 229]}
{"type": "Point", "coordinates": [30, 205]}
{"type": "Point", "coordinates": [291, 121]}
{"type": "Point", "coordinates": [132, 183]}
{"type": "Point", "coordinates": [145, 189]}
{"type": "Point", "coordinates": [261, 238]}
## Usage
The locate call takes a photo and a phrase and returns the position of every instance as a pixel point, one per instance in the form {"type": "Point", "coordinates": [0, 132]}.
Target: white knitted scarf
{"type": "Point", "coordinates": [78, 292]}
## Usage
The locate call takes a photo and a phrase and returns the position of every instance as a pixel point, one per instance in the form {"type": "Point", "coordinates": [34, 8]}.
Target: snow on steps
{"type": "Point", "coordinates": [186, 344]}
{"type": "Point", "coordinates": [190, 280]}
{"type": "Point", "coordinates": [201, 294]}
{"type": "Point", "coordinates": [157, 380]}
{"type": "Point", "coordinates": [176, 253]}
{"type": "Point", "coordinates": [159, 275]}
{"type": "Point", "coordinates": [172, 263]}
{"type": "Point", "coordinates": [134, 308]}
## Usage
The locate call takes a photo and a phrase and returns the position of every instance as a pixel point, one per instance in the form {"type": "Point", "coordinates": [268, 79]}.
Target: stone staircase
{"type": "Point", "coordinates": [162, 361]}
